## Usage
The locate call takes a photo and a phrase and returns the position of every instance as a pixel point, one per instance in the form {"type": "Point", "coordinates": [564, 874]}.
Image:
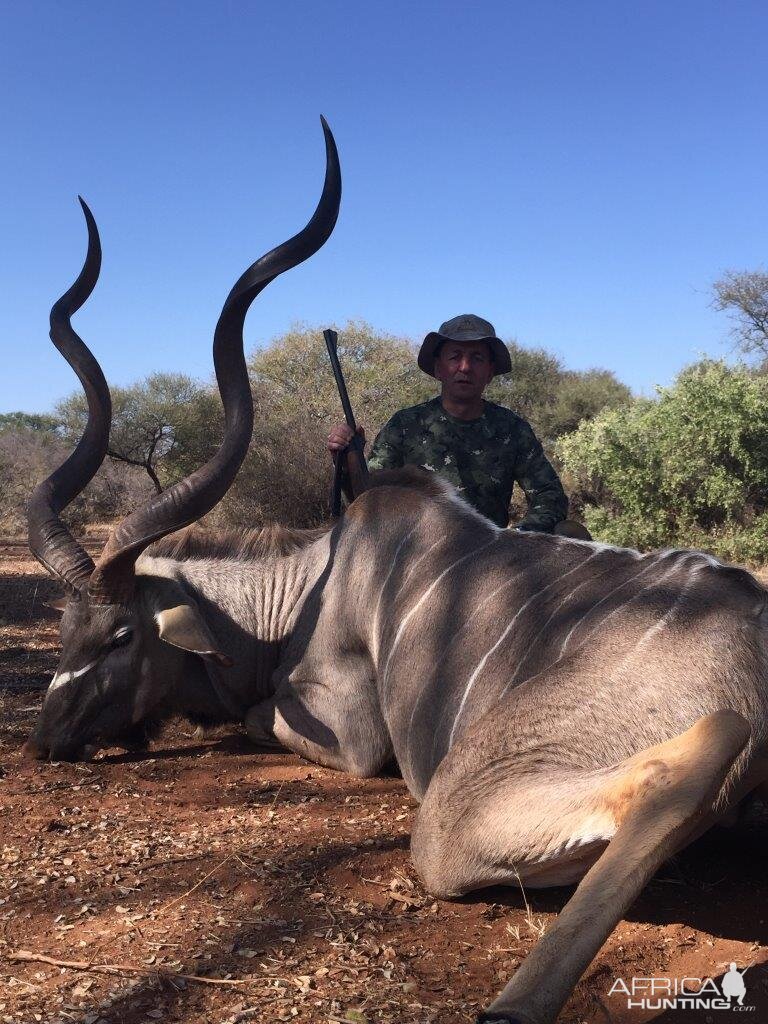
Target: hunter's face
{"type": "Point", "coordinates": [465, 369]}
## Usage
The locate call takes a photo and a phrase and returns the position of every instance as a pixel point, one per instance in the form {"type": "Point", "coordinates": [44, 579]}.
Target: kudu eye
{"type": "Point", "coordinates": [122, 637]}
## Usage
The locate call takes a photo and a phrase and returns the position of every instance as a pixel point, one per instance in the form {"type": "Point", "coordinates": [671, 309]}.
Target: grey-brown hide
{"type": "Point", "coordinates": [400, 629]}
{"type": "Point", "coordinates": [564, 711]}
{"type": "Point", "coordinates": [431, 619]}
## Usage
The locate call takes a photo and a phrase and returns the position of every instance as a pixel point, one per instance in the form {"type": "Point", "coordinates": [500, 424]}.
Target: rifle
{"type": "Point", "coordinates": [350, 470]}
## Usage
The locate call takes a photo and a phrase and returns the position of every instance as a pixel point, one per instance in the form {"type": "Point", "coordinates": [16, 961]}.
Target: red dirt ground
{"type": "Point", "coordinates": [291, 886]}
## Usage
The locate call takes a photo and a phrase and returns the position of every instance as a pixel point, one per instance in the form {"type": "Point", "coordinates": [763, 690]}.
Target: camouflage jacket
{"type": "Point", "coordinates": [482, 458]}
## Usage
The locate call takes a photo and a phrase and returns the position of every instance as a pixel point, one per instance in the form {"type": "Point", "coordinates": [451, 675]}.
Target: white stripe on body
{"type": "Point", "coordinates": [710, 560]}
{"type": "Point", "coordinates": [375, 643]}
{"type": "Point", "coordinates": [665, 618]}
{"type": "Point", "coordinates": [452, 641]}
{"type": "Point", "coordinates": [414, 565]}
{"type": "Point", "coordinates": [483, 661]}
{"type": "Point", "coordinates": [554, 612]}
{"type": "Point", "coordinates": [409, 615]}
{"type": "Point", "coordinates": [647, 568]}
{"type": "Point", "coordinates": [61, 679]}
{"type": "Point", "coordinates": [456, 499]}
{"type": "Point", "coordinates": [651, 629]}
{"type": "Point", "coordinates": [463, 629]}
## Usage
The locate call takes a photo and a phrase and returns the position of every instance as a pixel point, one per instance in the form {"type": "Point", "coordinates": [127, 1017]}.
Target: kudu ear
{"type": "Point", "coordinates": [57, 604]}
{"type": "Point", "coordinates": [183, 626]}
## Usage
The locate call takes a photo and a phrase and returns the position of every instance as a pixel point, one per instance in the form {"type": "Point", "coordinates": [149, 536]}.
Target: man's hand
{"type": "Point", "coordinates": [532, 528]}
{"type": "Point", "coordinates": [341, 435]}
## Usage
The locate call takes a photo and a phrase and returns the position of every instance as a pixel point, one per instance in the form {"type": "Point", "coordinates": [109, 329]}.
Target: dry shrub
{"type": "Point", "coordinates": [286, 475]}
{"type": "Point", "coordinates": [29, 456]}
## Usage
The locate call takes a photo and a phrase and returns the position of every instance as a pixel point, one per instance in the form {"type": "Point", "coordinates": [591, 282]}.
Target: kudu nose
{"type": "Point", "coordinates": [32, 752]}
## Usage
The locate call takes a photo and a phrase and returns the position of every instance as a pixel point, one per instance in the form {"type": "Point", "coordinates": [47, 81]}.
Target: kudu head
{"type": "Point", "coordinates": [120, 629]}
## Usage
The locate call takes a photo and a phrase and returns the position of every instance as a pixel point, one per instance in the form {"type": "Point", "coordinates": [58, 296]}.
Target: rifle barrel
{"type": "Point", "coordinates": [331, 338]}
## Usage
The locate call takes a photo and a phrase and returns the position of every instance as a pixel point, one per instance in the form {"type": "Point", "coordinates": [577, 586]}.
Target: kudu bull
{"type": "Point", "coordinates": [564, 711]}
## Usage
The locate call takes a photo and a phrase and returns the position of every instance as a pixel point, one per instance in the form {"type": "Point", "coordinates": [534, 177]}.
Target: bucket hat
{"type": "Point", "coordinates": [466, 327]}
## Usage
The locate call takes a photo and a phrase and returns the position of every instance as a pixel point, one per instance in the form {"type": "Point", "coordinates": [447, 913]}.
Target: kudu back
{"type": "Point", "coordinates": [564, 711]}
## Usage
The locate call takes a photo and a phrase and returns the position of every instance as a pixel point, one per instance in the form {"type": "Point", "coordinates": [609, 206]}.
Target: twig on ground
{"type": "Point", "coordinates": [20, 981]}
{"type": "Point", "coordinates": [26, 956]}
{"type": "Point", "coordinates": [277, 794]}
{"type": "Point", "coordinates": [197, 885]}
{"type": "Point", "coordinates": [150, 865]}
{"type": "Point", "coordinates": [538, 925]}
{"type": "Point", "coordinates": [247, 1014]}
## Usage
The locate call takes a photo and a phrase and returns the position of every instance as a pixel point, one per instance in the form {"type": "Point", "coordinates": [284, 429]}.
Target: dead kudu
{"type": "Point", "coordinates": [564, 711]}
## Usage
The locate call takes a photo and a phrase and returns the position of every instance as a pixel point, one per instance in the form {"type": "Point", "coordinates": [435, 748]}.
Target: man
{"type": "Point", "coordinates": [480, 447]}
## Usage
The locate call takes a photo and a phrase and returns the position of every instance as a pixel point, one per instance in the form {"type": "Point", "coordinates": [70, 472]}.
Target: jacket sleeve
{"type": "Point", "coordinates": [547, 502]}
{"type": "Point", "coordinates": [387, 449]}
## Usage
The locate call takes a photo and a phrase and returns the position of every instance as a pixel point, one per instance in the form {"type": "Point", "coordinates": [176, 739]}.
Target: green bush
{"type": "Point", "coordinates": [689, 468]}
{"type": "Point", "coordinates": [553, 399]}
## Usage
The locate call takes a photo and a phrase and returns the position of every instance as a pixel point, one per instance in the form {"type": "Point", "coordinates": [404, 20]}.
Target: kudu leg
{"type": "Point", "coordinates": [660, 798]}
{"type": "Point", "coordinates": [331, 735]}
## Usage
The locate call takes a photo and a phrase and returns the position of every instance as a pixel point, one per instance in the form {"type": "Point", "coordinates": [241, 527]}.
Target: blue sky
{"type": "Point", "coordinates": [578, 173]}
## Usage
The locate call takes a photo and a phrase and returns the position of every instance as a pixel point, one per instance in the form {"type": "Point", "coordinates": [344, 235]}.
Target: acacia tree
{"type": "Point", "coordinates": [380, 370]}
{"type": "Point", "coordinates": [743, 295]}
{"type": "Point", "coordinates": [42, 423]}
{"type": "Point", "coordinates": [580, 396]}
{"type": "Point", "coordinates": [29, 454]}
{"type": "Point", "coordinates": [167, 424]}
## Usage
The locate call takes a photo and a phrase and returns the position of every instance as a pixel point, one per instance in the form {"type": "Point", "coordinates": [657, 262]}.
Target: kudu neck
{"type": "Point", "coordinates": [248, 607]}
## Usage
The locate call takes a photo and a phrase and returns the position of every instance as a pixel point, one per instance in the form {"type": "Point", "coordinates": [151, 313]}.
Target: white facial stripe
{"type": "Point", "coordinates": [61, 679]}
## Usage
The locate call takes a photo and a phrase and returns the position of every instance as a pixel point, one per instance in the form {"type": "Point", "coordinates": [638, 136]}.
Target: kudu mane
{"type": "Point", "coordinates": [276, 541]}
{"type": "Point", "coordinates": [196, 542]}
